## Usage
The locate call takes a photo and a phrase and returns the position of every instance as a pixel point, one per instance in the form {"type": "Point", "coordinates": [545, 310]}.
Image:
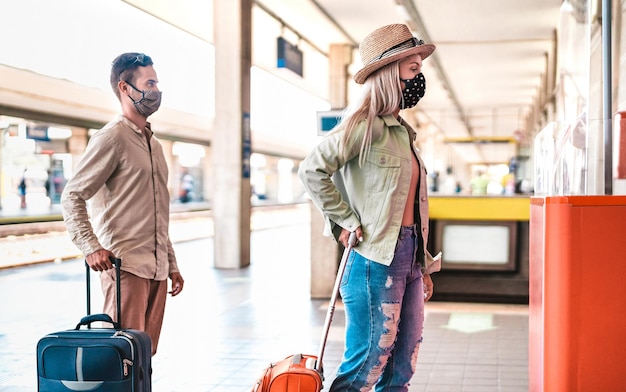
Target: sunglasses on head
{"type": "Point", "coordinates": [141, 59]}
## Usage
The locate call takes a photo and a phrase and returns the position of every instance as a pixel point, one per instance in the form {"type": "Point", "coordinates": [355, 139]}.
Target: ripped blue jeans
{"type": "Point", "coordinates": [384, 308]}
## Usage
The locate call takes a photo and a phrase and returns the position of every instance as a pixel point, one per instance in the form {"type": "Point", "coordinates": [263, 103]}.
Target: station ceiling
{"type": "Point", "coordinates": [483, 80]}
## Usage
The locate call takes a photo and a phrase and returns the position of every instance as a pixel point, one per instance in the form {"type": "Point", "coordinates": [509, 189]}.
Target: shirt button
{"type": "Point", "coordinates": [383, 161]}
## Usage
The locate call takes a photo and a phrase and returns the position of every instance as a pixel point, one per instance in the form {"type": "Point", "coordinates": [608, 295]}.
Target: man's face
{"type": "Point", "coordinates": [145, 80]}
{"type": "Point", "coordinates": [142, 93]}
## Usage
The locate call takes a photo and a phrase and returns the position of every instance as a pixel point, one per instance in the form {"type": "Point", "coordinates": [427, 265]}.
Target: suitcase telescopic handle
{"type": "Point", "coordinates": [117, 262]}
{"type": "Point", "coordinates": [333, 299]}
{"type": "Point", "coordinates": [92, 318]}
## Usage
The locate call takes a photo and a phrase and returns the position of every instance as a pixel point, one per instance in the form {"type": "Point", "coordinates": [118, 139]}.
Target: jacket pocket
{"type": "Point", "coordinates": [383, 170]}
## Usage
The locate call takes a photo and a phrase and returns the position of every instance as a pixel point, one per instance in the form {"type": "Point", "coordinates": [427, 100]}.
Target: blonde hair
{"type": "Point", "coordinates": [381, 95]}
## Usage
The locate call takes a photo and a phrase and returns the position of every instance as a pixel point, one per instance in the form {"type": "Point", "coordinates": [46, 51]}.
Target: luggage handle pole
{"type": "Point", "coordinates": [118, 289]}
{"type": "Point", "coordinates": [333, 299]}
{"type": "Point", "coordinates": [88, 275]}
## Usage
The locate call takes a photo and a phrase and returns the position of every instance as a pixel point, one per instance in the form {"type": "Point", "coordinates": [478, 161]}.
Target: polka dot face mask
{"type": "Point", "coordinates": [413, 91]}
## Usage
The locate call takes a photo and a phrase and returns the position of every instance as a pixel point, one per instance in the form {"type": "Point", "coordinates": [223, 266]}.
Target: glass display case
{"type": "Point", "coordinates": [561, 159]}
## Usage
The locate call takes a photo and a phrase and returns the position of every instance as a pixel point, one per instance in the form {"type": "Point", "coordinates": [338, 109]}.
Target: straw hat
{"type": "Point", "coordinates": [387, 44]}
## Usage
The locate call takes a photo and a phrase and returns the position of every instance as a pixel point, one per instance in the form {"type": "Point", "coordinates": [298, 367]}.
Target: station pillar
{"type": "Point", "coordinates": [324, 252]}
{"type": "Point", "coordinates": [231, 142]}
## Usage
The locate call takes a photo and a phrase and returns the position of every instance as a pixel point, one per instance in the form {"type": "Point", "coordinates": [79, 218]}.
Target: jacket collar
{"type": "Point", "coordinates": [391, 121]}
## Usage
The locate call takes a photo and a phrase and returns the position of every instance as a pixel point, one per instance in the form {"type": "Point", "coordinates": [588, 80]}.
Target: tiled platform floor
{"type": "Point", "coordinates": [227, 325]}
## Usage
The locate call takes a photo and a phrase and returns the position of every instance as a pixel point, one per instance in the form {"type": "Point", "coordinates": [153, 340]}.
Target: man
{"type": "Point", "coordinates": [123, 173]}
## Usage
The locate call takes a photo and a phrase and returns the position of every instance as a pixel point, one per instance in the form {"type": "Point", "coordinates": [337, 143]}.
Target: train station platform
{"type": "Point", "coordinates": [39, 236]}
{"type": "Point", "coordinates": [228, 325]}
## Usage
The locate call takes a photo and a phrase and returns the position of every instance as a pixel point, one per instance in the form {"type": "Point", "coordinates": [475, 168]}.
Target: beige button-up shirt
{"type": "Point", "coordinates": [124, 178]}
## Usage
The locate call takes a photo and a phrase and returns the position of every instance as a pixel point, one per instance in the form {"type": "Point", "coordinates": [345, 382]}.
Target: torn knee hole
{"type": "Point", "coordinates": [391, 311]}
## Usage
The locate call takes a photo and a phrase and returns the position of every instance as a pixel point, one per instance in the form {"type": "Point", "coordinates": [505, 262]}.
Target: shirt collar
{"type": "Point", "coordinates": [133, 126]}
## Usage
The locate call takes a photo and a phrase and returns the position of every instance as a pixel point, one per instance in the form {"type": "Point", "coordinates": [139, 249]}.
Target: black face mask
{"type": "Point", "coordinates": [413, 91]}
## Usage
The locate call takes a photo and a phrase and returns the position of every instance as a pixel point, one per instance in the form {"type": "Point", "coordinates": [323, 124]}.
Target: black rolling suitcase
{"type": "Point", "coordinates": [95, 359]}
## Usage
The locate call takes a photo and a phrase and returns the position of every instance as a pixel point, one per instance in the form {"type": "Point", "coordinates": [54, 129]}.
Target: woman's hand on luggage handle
{"type": "Point", "coordinates": [99, 260]}
{"type": "Point", "coordinates": [344, 236]}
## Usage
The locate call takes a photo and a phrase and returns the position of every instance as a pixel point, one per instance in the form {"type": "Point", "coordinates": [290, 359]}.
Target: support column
{"type": "Point", "coordinates": [231, 145]}
{"type": "Point", "coordinates": [77, 145]}
{"type": "Point", "coordinates": [324, 256]}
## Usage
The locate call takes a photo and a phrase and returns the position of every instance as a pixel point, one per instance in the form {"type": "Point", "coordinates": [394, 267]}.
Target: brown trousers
{"type": "Point", "coordinates": [143, 302]}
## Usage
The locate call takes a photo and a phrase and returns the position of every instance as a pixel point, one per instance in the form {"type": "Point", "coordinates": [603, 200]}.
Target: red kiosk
{"type": "Point", "coordinates": [577, 261]}
{"type": "Point", "coordinates": [577, 317]}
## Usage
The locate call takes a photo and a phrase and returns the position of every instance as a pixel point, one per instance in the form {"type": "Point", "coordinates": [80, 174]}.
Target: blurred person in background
{"type": "Point", "coordinates": [21, 190]}
{"type": "Point", "coordinates": [478, 184]}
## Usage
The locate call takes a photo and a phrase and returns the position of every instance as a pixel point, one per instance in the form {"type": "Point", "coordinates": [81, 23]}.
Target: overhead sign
{"type": "Point", "coordinates": [327, 120]}
{"type": "Point", "coordinates": [38, 132]}
{"type": "Point", "coordinates": [289, 56]}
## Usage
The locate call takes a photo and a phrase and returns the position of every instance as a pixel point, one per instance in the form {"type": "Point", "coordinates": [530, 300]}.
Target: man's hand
{"type": "Point", "coordinates": [99, 260]}
{"type": "Point", "coordinates": [177, 283]}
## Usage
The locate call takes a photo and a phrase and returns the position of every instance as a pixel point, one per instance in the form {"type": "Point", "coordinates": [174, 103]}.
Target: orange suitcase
{"type": "Point", "coordinates": [295, 373]}
{"type": "Point", "coordinates": [302, 372]}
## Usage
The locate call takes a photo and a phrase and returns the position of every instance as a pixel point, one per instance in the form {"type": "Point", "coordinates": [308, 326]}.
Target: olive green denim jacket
{"type": "Point", "coordinates": [372, 196]}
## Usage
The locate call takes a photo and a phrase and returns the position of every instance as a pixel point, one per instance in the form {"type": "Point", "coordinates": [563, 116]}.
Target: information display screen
{"type": "Point", "coordinates": [477, 245]}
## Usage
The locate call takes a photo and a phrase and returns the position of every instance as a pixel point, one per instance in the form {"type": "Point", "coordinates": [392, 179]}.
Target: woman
{"type": "Point", "coordinates": [367, 177]}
